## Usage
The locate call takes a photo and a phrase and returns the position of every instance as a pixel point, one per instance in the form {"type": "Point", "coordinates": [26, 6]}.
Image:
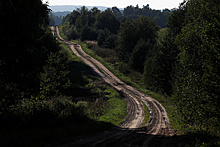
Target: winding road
{"type": "Point", "coordinates": [129, 132]}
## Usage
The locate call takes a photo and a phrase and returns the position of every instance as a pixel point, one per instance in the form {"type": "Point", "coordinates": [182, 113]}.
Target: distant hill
{"type": "Point", "coordinates": [61, 13]}
{"type": "Point", "coordinates": [61, 8]}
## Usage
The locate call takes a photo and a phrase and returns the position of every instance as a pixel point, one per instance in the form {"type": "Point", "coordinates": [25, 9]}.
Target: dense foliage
{"type": "Point", "coordinates": [159, 16]}
{"type": "Point", "coordinates": [185, 64]}
{"type": "Point", "coordinates": [92, 24]}
{"type": "Point", "coordinates": [103, 26]}
{"type": "Point", "coordinates": [196, 86]}
{"type": "Point", "coordinates": [136, 38]}
{"type": "Point", "coordinates": [27, 45]}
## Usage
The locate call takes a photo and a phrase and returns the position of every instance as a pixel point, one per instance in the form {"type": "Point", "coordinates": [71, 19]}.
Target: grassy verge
{"type": "Point", "coordinates": [147, 115]}
{"type": "Point", "coordinates": [113, 109]}
{"type": "Point", "coordinates": [107, 65]}
{"type": "Point", "coordinates": [166, 102]}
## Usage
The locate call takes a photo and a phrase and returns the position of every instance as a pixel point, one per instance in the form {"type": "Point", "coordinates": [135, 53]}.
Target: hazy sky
{"type": "Point", "coordinates": [154, 4]}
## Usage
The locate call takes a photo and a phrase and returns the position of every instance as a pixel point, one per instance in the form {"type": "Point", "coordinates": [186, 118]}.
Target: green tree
{"type": "Point", "coordinates": [27, 42]}
{"type": "Point", "coordinates": [138, 56]}
{"type": "Point", "coordinates": [196, 89]}
{"type": "Point", "coordinates": [116, 12]}
{"type": "Point", "coordinates": [107, 20]}
{"type": "Point", "coordinates": [126, 39]}
{"type": "Point", "coordinates": [106, 39]}
{"type": "Point", "coordinates": [159, 16]}
{"type": "Point", "coordinates": [131, 38]}
{"type": "Point", "coordinates": [54, 78]}
{"type": "Point", "coordinates": [159, 68]}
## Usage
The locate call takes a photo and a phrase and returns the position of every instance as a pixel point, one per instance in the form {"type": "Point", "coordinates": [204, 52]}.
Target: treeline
{"type": "Point", "coordinates": [159, 16]}
{"type": "Point", "coordinates": [106, 23]}
{"type": "Point", "coordinates": [185, 64]}
{"type": "Point", "coordinates": [181, 61]}
{"type": "Point", "coordinates": [92, 25]}
{"type": "Point", "coordinates": [131, 12]}
{"type": "Point", "coordinates": [129, 37]}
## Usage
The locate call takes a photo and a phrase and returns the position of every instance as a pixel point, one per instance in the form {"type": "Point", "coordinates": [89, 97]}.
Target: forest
{"type": "Point", "coordinates": [172, 52]}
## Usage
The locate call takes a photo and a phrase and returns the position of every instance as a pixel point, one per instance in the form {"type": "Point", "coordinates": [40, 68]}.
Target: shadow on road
{"type": "Point", "coordinates": [120, 137]}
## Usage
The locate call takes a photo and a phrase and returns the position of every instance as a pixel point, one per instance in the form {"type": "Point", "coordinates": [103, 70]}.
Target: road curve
{"type": "Point", "coordinates": [158, 123]}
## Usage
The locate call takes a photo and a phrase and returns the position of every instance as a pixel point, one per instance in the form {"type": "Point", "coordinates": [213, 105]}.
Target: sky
{"type": "Point", "coordinates": [154, 4]}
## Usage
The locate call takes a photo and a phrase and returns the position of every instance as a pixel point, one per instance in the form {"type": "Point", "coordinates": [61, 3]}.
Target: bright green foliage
{"type": "Point", "coordinates": [116, 112]}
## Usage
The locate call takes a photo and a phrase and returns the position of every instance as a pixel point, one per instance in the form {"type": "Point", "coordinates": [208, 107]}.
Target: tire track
{"type": "Point", "coordinates": [136, 110]}
{"type": "Point", "coordinates": [158, 123]}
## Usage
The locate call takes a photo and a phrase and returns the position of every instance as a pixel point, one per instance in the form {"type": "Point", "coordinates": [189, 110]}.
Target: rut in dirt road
{"type": "Point", "coordinates": [128, 133]}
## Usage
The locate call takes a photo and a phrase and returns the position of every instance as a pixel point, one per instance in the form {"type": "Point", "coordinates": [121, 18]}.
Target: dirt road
{"type": "Point", "coordinates": [128, 133]}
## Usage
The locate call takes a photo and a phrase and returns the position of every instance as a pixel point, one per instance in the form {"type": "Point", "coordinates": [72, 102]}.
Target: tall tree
{"type": "Point", "coordinates": [159, 68]}
{"type": "Point", "coordinates": [107, 20]}
{"type": "Point", "coordinates": [196, 89]}
{"type": "Point", "coordinates": [26, 43]}
{"type": "Point", "coordinates": [131, 38]}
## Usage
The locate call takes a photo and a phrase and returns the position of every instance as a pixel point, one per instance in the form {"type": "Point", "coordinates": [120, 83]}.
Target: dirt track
{"type": "Point", "coordinates": [128, 133]}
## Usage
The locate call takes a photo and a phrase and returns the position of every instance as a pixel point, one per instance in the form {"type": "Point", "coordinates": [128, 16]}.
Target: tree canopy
{"type": "Point", "coordinates": [185, 65]}
{"type": "Point", "coordinates": [159, 16]}
{"type": "Point", "coordinates": [135, 39]}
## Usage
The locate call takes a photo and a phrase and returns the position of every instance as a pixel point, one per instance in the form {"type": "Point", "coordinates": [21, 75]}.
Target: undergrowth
{"type": "Point", "coordinates": [87, 106]}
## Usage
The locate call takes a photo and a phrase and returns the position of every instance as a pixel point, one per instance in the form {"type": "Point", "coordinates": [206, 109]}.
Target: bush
{"type": "Point", "coordinates": [41, 113]}
{"type": "Point", "coordinates": [54, 79]}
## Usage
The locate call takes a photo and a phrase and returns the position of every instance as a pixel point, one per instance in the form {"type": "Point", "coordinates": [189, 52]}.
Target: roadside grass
{"type": "Point", "coordinates": [147, 115]}
{"type": "Point", "coordinates": [193, 137]}
{"type": "Point", "coordinates": [88, 107]}
{"type": "Point", "coordinates": [137, 83]}
{"type": "Point", "coordinates": [135, 80]}
{"type": "Point", "coordinates": [109, 66]}
{"type": "Point", "coordinates": [46, 131]}
{"type": "Point", "coordinates": [114, 108]}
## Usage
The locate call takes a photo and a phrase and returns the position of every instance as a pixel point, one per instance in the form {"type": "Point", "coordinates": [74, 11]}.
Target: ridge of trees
{"type": "Point", "coordinates": [159, 16]}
